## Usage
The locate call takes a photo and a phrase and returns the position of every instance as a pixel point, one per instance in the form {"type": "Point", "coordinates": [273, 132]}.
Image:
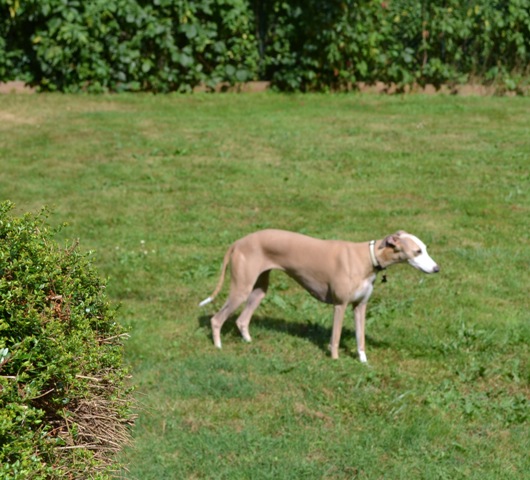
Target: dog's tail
{"type": "Point", "coordinates": [211, 298]}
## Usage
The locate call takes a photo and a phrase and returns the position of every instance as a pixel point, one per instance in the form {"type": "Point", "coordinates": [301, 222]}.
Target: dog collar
{"type": "Point", "coordinates": [375, 263]}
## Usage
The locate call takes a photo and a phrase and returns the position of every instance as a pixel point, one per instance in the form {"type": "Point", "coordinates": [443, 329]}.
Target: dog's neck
{"type": "Point", "coordinates": [375, 262]}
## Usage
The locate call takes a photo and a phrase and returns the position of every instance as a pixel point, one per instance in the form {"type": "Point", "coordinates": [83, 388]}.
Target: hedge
{"type": "Point", "coordinates": [164, 45]}
{"type": "Point", "coordinates": [175, 45]}
{"type": "Point", "coordinates": [335, 44]}
{"type": "Point", "coordinates": [64, 405]}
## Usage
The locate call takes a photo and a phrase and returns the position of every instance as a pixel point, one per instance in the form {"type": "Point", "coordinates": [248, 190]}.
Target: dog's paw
{"type": "Point", "coordinates": [362, 357]}
{"type": "Point", "coordinates": [243, 329]}
{"type": "Point", "coordinates": [333, 351]}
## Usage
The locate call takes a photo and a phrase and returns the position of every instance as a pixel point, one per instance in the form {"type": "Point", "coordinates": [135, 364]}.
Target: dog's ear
{"type": "Point", "coordinates": [392, 241]}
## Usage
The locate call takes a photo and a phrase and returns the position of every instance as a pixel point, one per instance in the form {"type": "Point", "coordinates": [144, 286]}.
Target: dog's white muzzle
{"type": "Point", "coordinates": [423, 261]}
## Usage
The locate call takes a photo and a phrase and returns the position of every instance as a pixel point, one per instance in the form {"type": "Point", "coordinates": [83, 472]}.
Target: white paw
{"type": "Point", "coordinates": [362, 357]}
{"type": "Point", "coordinates": [244, 333]}
{"type": "Point", "coordinates": [217, 343]}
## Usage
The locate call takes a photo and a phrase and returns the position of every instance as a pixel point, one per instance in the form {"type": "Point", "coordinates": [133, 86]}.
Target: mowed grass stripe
{"type": "Point", "coordinates": [159, 186]}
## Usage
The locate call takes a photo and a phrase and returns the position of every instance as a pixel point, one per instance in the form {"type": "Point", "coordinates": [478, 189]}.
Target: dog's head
{"type": "Point", "coordinates": [410, 248]}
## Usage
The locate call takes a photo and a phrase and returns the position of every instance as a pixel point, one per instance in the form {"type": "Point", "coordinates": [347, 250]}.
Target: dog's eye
{"type": "Point", "coordinates": [418, 252]}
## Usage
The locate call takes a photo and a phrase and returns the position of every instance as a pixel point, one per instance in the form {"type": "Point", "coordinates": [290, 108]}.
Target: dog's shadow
{"type": "Point", "coordinates": [318, 334]}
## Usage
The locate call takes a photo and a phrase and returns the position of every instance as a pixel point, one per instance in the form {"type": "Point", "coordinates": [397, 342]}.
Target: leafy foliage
{"type": "Point", "coordinates": [60, 350]}
{"type": "Point", "coordinates": [312, 45]}
{"type": "Point", "coordinates": [129, 45]}
{"type": "Point", "coordinates": [175, 45]}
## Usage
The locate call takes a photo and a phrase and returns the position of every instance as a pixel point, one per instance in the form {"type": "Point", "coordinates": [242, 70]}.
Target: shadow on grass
{"type": "Point", "coordinates": [318, 334]}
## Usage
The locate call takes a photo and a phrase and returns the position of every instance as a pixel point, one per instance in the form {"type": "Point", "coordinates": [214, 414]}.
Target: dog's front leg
{"type": "Point", "coordinates": [360, 316]}
{"type": "Point", "coordinates": [338, 317]}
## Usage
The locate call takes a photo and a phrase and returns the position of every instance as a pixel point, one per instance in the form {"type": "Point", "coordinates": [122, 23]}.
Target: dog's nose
{"type": "Point", "coordinates": [436, 269]}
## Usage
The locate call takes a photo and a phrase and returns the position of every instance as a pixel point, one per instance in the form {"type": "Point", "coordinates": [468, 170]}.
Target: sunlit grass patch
{"type": "Point", "coordinates": [159, 186]}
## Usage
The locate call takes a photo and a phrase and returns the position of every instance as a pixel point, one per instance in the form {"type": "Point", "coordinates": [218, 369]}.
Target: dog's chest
{"type": "Point", "coordinates": [364, 290]}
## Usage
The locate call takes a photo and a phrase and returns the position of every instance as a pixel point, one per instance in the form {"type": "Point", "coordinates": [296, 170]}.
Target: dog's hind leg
{"type": "Point", "coordinates": [255, 298]}
{"type": "Point", "coordinates": [241, 287]}
{"type": "Point", "coordinates": [217, 321]}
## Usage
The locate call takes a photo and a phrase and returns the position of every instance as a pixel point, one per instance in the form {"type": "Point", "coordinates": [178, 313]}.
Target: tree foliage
{"type": "Point", "coordinates": [175, 45]}
{"type": "Point", "coordinates": [315, 45]}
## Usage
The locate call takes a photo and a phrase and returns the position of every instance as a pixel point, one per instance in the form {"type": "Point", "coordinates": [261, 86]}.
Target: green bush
{"type": "Point", "coordinates": [175, 45]}
{"type": "Point", "coordinates": [117, 45]}
{"type": "Point", "coordinates": [313, 45]}
{"type": "Point", "coordinates": [64, 407]}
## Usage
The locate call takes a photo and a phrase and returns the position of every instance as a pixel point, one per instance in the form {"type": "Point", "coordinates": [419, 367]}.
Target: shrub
{"type": "Point", "coordinates": [311, 45]}
{"type": "Point", "coordinates": [175, 45]}
{"type": "Point", "coordinates": [64, 406]}
{"type": "Point", "coordinates": [118, 45]}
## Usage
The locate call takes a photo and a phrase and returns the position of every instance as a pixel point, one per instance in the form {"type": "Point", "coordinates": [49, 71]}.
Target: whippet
{"type": "Point", "coordinates": [335, 272]}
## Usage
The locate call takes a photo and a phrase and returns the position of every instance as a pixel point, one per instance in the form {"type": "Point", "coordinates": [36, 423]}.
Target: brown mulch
{"type": "Point", "coordinates": [15, 87]}
{"type": "Point", "coordinates": [249, 87]}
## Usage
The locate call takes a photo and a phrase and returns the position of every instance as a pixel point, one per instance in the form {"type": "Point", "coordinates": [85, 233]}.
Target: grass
{"type": "Point", "coordinates": [159, 186]}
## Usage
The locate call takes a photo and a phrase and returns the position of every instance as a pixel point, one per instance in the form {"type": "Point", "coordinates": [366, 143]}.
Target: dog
{"type": "Point", "coordinates": [335, 272]}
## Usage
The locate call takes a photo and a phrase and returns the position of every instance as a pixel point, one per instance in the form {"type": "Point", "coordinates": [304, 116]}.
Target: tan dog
{"type": "Point", "coordinates": [333, 271]}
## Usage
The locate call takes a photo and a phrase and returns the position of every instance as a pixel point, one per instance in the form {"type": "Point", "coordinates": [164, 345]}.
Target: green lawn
{"type": "Point", "coordinates": [159, 186]}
